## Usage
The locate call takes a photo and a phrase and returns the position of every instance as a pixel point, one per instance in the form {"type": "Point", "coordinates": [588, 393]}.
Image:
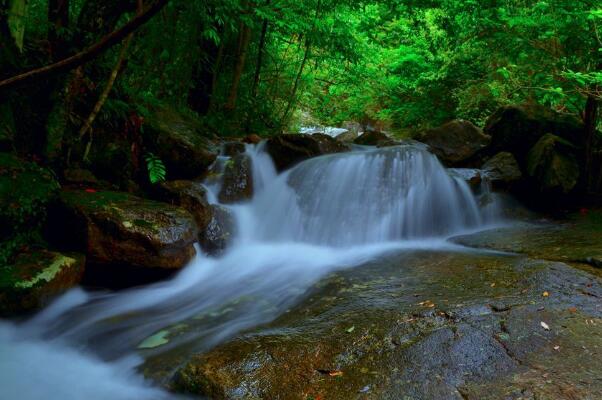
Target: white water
{"type": "Point", "coordinates": [326, 214]}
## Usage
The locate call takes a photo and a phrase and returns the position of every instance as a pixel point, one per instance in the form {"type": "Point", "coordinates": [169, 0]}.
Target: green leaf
{"type": "Point", "coordinates": [156, 169]}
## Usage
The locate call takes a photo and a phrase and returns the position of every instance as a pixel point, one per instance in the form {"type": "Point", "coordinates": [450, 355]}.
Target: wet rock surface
{"type": "Point", "coordinates": [217, 235]}
{"type": "Point", "coordinates": [189, 195]}
{"type": "Point", "coordinates": [456, 142]}
{"type": "Point", "coordinates": [502, 170]}
{"type": "Point", "coordinates": [573, 242]}
{"type": "Point", "coordinates": [237, 184]}
{"type": "Point", "coordinates": [416, 325]}
{"type": "Point", "coordinates": [115, 228]}
{"type": "Point", "coordinates": [371, 138]}
{"type": "Point", "coordinates": [290, 149]}
{"type": "Point", "coordinates": [35, 278]}
{"type": "Point", "coordinates": [552, 162]}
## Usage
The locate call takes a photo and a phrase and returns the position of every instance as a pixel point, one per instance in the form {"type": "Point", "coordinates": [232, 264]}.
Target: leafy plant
{"type": "Point", "coordinates": [156, 169]}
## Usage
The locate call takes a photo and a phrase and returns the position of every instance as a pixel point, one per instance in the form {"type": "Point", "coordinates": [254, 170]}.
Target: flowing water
{"type": "Point", "coordinates": [326, 214]}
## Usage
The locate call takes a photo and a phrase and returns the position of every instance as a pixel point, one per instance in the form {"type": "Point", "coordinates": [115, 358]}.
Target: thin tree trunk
{"type": "Point", "coordinates": [292, 101]}
{"type": "Point", "coordinates": [259, 64]}
{"type": "Point", "coordinates": [245, 38]}
{"type": "Point", "coordinates": [87, 55]}
{"type": "Point", "coordinates": [105, 93]}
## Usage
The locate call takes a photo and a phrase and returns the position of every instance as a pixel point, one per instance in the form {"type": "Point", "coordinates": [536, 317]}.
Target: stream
{"type": "Point", "coordinates": [327, 214]}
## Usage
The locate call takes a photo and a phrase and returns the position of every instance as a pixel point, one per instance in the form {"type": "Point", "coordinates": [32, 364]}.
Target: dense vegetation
{"type": "Point", "coordinates": [81, 80]}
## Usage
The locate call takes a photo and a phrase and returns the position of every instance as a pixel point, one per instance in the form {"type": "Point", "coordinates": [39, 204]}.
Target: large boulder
{"type": "Point", "coordinates": [217, 235]}
{"type": "Point", "coordinates": [237, 181]}
{"type": "Point", "coordinates": [232, 149]}
{"type": "Point", "coordinates": [35, 278]}
{"type": "Point", "coordinates": [189, 195]}
{"type": "Point", "coordinates": [290, 149]}
{"type": "Point", "coordinates": [178, 140]}
{"type": "Point", "coordinates": [502, 169]}
{"type": "Point", "coordinates": [553, 165]}
{"type": "Point", "coordinates": [456, 142]}
{"type": "Point", "coordinates": [347, 137]}
{"type": "Point", "coordinates": [216, 224]}
{"type": "Point", "coordinates": [517, 128]}
{"type": "Point", "coordinates": [371, 138]}
{"type": "Point", "coordinates": [115, 228]}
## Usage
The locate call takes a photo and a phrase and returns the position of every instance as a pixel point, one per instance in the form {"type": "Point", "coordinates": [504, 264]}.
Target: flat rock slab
{"type": "Point", "coordinates": [415, 325]}
{"type": "Point", "coordinates": [569, 242]}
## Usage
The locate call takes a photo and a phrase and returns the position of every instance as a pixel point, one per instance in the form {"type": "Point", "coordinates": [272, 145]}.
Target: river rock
{"type": "Point", "coordinates": [288, 150]}
{"type": "Point", "coordinates": [553, 165]}
{"type": "Point", "coordinates": [37, 277]}
{"type": "Point", "coordinates": [179, 141]}
{"type": "Point", "coordinates": [419, 325]}
{"type": "Point", "coordinates": [455, 142]}
{"type": "Point", "coordinates": [517, 128]}
{"type": "Point", "coordinates": [115, 228]}
{"type": "Point", "coordinates": [237, 181]}
{"type": "Point", "coordinates": [189, 195]}
{"type": "Point", "coordinates": [371, 138]}
{"type": "Point", "coordinates": [252, 139]}
{"type": "Point", "coordinates": [232, 149]}
{"type": "Point", "coordinates": [347, 137]}
{"type": "Point", "coordinates": [217, 235]}
{"type": "Point", "coordinates": [502, 170]}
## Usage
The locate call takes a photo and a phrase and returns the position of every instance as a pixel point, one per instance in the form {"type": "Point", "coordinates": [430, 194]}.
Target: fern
{"type": "Point", "coordinates": [156, 168]}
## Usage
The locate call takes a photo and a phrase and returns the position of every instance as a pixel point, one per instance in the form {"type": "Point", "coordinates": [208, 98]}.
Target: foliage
{"type": "Point", "coordinates": [156, 169]}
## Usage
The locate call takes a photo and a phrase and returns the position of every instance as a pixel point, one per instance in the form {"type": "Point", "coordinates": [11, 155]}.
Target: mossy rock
{"type": "Point", "coordinates": [189, 195]}
{"type": "Point", "coordinates": [118, 228]}
{"type": "Point", "coordinates": [371, 138]}
{"type": "Point", "coordinates": [553, 165]}
{"type": "Point", "coordinates": [35, 278]}
{"type": "Point", "coordinates": [516, 128]}
{"type": "Point", "coordinates": [179, 141]}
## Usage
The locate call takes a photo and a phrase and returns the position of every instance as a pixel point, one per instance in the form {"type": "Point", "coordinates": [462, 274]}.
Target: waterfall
{"type": "Point", "coordinates": [326, 214]}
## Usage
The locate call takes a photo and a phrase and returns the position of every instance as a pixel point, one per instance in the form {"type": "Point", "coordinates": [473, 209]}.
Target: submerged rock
{"type": "Point", "coordinates": [237, 182]}
{"type": "Point", "coordinates": [179, 141]}
{"type": "Point", "coordinates": [118, 228]}
{"type": "Point", "coordinates": [217, 235]}
{"type": "Point", "coordinates": [553, 165]}
{"type": "Point", "coordinates": [502, 170]}
{"type": "Point", "coordinates": [289, 149]}
{"type": "Point", "coordinates": [455, 142]}
{"type": "Point", "coordinates": [517, 128]}
{"type": "Point", "coordinates": [35, 278]}
{"type": "Point", "coordinates": [371, 138]}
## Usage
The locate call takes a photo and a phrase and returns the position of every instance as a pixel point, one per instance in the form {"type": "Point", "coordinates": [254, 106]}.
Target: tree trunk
{"type": "Point", "coordinates": [292, 100]}
{"type": "Point", "coordinates": [260, 51]}
{"type": "Point", "coordinates": [244, 39]}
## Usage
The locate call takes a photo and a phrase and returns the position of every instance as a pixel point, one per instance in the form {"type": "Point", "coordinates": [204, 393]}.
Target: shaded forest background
{"type": "Point", "coordinates": [262, 66]}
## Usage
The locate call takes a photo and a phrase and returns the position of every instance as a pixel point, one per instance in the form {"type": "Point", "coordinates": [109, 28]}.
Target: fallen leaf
{"type": "Point", "coordinates": [335, 373]}
{"type": "Point", "coordinates": [556, 348]}
{"type": "Point", "coordinates": [546, 294]}
{"type": "Point", "coordinates": [493, 284]}
{"type": "Point", "coordinates": [572, 309]}
{"type": "Point", "coordinates": [349, 330]}
{"type": "Point", "coordinates": [544, 326]}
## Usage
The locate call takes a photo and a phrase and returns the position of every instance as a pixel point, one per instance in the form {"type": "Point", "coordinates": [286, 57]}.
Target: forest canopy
{"type": "Point", "coordinates": [265, 66]}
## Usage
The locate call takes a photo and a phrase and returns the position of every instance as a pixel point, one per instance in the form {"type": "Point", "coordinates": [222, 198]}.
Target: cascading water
{"type": "Point", "coordinates": [328, 213]}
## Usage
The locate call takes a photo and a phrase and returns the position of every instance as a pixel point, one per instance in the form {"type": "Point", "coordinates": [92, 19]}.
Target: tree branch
{"type": "Point", "coordinates": [87, 55]}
